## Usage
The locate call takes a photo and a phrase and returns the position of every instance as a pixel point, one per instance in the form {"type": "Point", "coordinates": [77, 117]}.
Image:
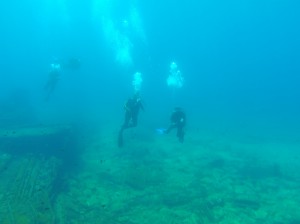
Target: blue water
{"type": "Point", "coordinates": [240, 60]}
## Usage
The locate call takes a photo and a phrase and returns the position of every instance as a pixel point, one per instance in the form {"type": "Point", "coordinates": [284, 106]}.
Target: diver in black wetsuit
{"type": "Point", "coordinates": [178, 120]}
{"type": "Point", "coordinates": [53, 78]}
{"type": "Point", "coordinates": [132, 108]}
{"type": "Point", "coordinates": [55, 73]}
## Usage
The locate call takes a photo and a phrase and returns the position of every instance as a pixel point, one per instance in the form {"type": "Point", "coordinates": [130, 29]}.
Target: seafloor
{"type": "Point", "coordinates": [57, 175]}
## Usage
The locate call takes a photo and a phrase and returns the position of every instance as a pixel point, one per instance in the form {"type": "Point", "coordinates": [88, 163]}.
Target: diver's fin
{"type": "Point", "coordinates": [161, 131]}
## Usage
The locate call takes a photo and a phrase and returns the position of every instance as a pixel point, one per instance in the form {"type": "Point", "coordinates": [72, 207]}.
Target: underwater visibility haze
{"type": "Point", "coordinates": [130, 111]}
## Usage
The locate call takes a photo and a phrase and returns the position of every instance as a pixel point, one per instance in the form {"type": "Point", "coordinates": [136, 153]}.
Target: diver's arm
{"type": "Point", "coordinates": [126, 107]}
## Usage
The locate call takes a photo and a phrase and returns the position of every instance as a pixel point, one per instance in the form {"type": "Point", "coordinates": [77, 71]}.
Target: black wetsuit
{"type": "Point", "coordinates": [132, 108]}
{"type": "Point", "coordinates": [52, 82]}
{"type": "Point", "coordinates": [178, 120]}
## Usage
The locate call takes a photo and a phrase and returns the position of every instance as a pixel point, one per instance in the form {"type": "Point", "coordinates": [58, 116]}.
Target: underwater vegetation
{"type": "Point", "coordinates": [209, 132]}
{"type": "Point", "coordinates": [42, 181]}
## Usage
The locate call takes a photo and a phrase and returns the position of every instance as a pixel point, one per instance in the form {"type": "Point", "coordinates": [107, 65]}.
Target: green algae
{"type": "Point", "coordinates": [157, 181]}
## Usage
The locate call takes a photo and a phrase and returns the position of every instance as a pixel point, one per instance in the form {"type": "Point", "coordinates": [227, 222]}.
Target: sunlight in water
{"type": "Point", "coordinates": [119, 32]}
{"type": "Point", "coordinates": [136, 24]}
{"type": "Point", "coordinates": [118, 42]}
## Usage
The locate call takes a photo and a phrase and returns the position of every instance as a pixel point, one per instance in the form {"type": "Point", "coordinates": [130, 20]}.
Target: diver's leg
{"type": "Point", "coordinates": [180, 133]}
{"type": "Point", "coordinates": [120, 135]}
{"type": "Point", "coordinates": [123, 127]}
{"type": "Point", "coordinates": [48, 94]}
{"type": "Point", "coordinates": [49, 87]}
{"type": "Point", "coordinates": [134, 120]}
{"type": "Point", "coordinates": [120, 138]}
{"type": "Point", "coordinates": [169, 128]}
{"type": "Point", "coordinates": [126, 123]}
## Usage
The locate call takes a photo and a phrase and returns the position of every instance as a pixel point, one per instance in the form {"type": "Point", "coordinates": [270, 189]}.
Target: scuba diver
{"type": "Point", "coordinates": [178, 120]}
{"type": "Point", "coordinates": [132, 108]}
{"type": "Point", "coordinates": [56, 69]}
{"type": "Point", "coordinates": [53, 77]}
